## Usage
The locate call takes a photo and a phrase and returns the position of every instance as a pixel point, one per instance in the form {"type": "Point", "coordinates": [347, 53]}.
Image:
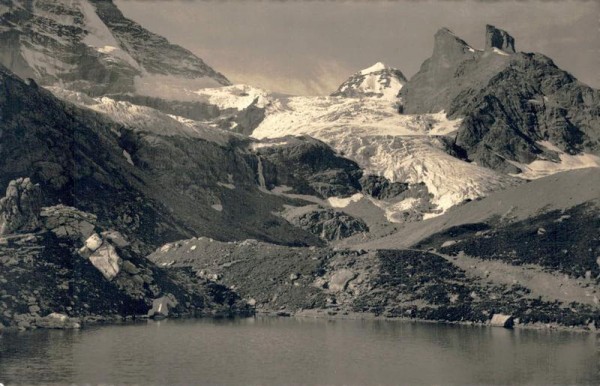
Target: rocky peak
{"type": "Point", "coordinates": [497, 38]}
{"type": "Point", "coordinates": [448, 45]}
{"type": "Point", "coordinates": [379, 81]}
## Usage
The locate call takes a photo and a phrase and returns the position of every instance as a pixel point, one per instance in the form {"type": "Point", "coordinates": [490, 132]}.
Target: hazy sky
{"type": "Point", "coordinates": [310, 47]}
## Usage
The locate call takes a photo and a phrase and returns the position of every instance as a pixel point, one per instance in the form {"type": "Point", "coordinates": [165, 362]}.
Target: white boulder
{"type": "Point", "coordinates": [93, 242]}
{"type": "Point", "coordinates": [106, 260]}
{"type": "Point", "coordinates": [501, 320]}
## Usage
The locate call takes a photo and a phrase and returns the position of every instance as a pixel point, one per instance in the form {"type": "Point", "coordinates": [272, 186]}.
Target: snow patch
{"type": "Point", "coordinates": [500, 52]}
{"type": "Point", "coordinates": [217, 207]}
{"type": "Point", "coordinates": [263, 144]}
{"type": "Point", "coordinates": [145, 118]}
{"type": "Point", "coordinates": [542, 168]}
{"type": "Point", "coordinates": [106, 49]}
{"type": "Point", "coordinates": [376, 84]}
{"type": "Point", "coordinates": [338, 202]}
{"type": "Point", "coordinates": [128, 157]}
{"type": "Point", "coordinates": [225, 185]}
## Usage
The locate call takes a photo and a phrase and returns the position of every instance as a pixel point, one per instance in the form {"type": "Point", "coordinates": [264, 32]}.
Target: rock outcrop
{"type": "Point", "coordinates": [160, 307]}
{"type": "Point", "coordinates": [339, 280]}
{"type": "Point", "coordinates": [497, 38]}
{"type": "Point", "coordinates": [308, 166]}
{"type": "Point", "coordinates": [45, 283]}
{"type": "Point", "coordinates": [20, 208]}
{"type": "Point", "coordinates": [68, 222]}
{"type": "Point", "coordinates": [453, 68]}
{"type": "Point", "coordinates": [329, 224]}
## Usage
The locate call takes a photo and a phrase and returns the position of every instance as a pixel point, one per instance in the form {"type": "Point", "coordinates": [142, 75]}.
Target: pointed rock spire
{"type": "Point", "coordinates": [497, 38]}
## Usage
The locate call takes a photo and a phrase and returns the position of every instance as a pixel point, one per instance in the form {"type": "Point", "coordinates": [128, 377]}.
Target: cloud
{"type": "Point", "coordinates": [324, 78]}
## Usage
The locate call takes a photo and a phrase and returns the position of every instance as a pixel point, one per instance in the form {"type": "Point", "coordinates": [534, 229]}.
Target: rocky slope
{"type": "Point", "coordinates": [60, 269]}
{"type": "Point", "coordinates": [392, 283]}
{"type": "Point", "coordinates": [153, 187]}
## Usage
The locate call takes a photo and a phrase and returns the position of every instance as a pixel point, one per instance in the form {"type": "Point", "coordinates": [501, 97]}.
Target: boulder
{"type": "Point", "coordinates": [56, 320]}
{"type": "Point", "coordinates": [106, 260]}
{"type": "Point", "coordinates": [340, 279]}
{"type": "Point", "coordinates": [161, 306]}
{"type": "Point", "coordinates": [115, 238]}
{"type": "Point", "coordinates": [93, 242]}
{"type": "Point", "coordinates": [130, 268]}
{"type": "Point", "coordinates": [20, 208]}
{"type": "Point", "coordinates": [501, 320]}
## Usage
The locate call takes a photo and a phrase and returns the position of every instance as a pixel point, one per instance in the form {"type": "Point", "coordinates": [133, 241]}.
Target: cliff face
{"type": "Point", "coordinates": [90, 46]}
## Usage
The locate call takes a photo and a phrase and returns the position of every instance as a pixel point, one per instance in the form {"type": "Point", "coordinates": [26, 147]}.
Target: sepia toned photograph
{"type": "Point", "coordinates": [300, 192]}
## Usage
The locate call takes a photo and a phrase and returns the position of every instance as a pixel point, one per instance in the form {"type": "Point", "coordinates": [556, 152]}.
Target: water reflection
{"type": "Point", "coordinates": [289, 350]}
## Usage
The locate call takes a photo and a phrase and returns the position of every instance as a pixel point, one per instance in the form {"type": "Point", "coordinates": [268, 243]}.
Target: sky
{"type": "Point", "coordinates": [311, 47]}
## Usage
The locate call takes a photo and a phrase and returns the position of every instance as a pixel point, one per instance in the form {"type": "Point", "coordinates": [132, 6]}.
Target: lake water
{"type": "Point", "coordinates": [281, 351]}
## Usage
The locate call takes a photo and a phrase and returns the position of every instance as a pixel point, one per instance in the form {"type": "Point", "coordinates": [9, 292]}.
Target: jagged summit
{"type": "Point", "coordinates": [500, 39]}
{"type": "Point", "coordinates": [378, 80]}
{"type": "Point", "coordinates": [518, 108]}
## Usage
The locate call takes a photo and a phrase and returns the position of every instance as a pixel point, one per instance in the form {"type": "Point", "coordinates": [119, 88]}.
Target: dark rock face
{"type": "Point", "coordinates": [453, 67]}
{"type": "Point", "coordinates": [20, 208]}
{"type": "Point", "coordinates": [330, 224]}
{"type": "Point", "coordinates": [381, 188]}
{"type": "Point", "coordinates": [497, 38]}
{"type": "Point", "coordinates": [531, 100]}
{"type": "Point", "coordinates": [309, 167]}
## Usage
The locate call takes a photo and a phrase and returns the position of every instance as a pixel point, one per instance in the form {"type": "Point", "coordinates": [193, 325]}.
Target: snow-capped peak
{"type": "Point", "coordinates": [378, 81]}
{"type": "Point", "coordinates": [374, 68]}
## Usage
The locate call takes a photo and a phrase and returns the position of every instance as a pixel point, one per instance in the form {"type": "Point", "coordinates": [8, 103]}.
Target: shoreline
{"type": "Point", "coordinates": [113, 320]}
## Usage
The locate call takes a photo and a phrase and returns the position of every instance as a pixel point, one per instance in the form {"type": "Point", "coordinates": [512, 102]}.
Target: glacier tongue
{"type": "Point", "coordinates": [402, 148]}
